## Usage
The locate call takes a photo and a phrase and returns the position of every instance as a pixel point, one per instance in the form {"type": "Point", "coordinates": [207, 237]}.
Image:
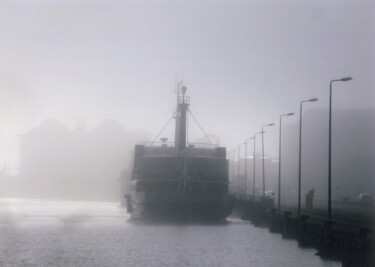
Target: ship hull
{"type": "Point", "coordinates": [179, 206]}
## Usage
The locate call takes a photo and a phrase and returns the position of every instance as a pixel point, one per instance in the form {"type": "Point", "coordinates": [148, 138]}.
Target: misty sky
{"type": "Point", "coordinates": [244, 62]}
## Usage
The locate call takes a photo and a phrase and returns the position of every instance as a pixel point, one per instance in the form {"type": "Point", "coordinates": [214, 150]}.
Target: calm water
{"type": "Point", "coordinates": [36, 233]}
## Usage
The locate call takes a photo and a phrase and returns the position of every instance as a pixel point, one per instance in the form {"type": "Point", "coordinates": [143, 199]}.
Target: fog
{"type": "Point", "coordinates": [353, 158]}
{"type": "Point", "coordinates": [83, 81]}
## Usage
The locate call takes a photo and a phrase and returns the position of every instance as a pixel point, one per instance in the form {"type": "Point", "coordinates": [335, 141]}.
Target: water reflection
{"type": "Point", "coordinates": [37, 233]}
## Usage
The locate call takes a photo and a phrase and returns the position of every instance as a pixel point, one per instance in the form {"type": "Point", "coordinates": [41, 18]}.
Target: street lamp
{"type": "Point", "coordinates": [238, 173]}
{"type": "Point", "coordinates": [246, 164]}
{"type": "Point", "coordinates": [234, 150]}
{"type": "Point", "coordinates": [330, 144]}
{"type": "Point", "coordinates": [228, 155]}
{"type": "Point", "coordinates": [300, 145]}
{"type": "Point", "coordinates": [254, 164]}
{"type": "Point", "coordinates": [264, 179]}
{"type": "Point", "coordinates": [279, 196]}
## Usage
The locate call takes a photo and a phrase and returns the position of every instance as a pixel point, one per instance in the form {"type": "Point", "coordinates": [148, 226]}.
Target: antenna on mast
{"type": "Point", "coordinates": [183, 89]}
{"type": "Point", "coordinates": [182, 106]}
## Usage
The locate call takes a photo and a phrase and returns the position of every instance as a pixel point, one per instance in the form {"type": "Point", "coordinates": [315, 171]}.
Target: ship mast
{"type": "Point", "coordinates": [183, 103]}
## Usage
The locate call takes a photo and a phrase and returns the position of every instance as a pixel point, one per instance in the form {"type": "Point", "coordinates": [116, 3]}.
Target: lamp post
{"type": "Point", "coordinates": [330, 144]}
{"type": "Point", "coordinates": [279, 195]}
{"type": "Point", "coordinates": [228, 155]}
{"type": "Point", "coordinates": [238, 173]}
{"type": "Point", "coordinates": [254, 138]}
{"type": "Point", "coordinates": [246, 164]}
{"type": "Point", "coordinates": [234, 150]}
{"type": "Point", "coordinates": [264, 177]}
{"type": "Point", "coordinates": [300, 149]}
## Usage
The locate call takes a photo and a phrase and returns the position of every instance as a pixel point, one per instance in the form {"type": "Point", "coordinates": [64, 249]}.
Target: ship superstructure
{"type": "Point", "coordinates": [179, 180]}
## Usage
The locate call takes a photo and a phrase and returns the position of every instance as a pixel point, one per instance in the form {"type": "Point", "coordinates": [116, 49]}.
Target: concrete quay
{"type": "Point", "coordinates": [351, 243]}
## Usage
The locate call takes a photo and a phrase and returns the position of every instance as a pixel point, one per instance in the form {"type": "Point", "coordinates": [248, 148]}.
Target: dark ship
{"type": "Point", "coordinates": [180, 180]}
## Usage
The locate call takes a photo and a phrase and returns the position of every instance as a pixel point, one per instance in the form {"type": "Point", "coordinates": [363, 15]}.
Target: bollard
{"type": "Point", "coordinates": [325, 242]}
{"type": "Point", "coordinates": [302, 233]}
{"type": "Point", "coordinates": [129, 206]}
{"type": "Point", "coordinates": [276, 223]}
{"type": "Point", "coordinates": [286, 224]}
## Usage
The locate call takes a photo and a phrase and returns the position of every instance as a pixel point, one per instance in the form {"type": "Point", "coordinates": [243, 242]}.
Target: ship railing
{"type": "Point", "coordinates": [172, 144]}
{"type": "Point", "coordinates": [157, 144]}
{"type": "Point", "coordinates": [202, 145]}
{"type": "Point", "coordinates": [184, 99]}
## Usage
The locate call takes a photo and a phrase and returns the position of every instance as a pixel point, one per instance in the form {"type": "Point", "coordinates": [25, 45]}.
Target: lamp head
{"type": "Point", "coordinates": [313, 99]}
{"type": "Point", "coordinates": [183, 89]}
{"type": "Point", "coordinates": [271, 124]}
{"type": "Point", "coordinates": [346, 79]}
{"type": "Point", "coordinates": [290, 114]}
